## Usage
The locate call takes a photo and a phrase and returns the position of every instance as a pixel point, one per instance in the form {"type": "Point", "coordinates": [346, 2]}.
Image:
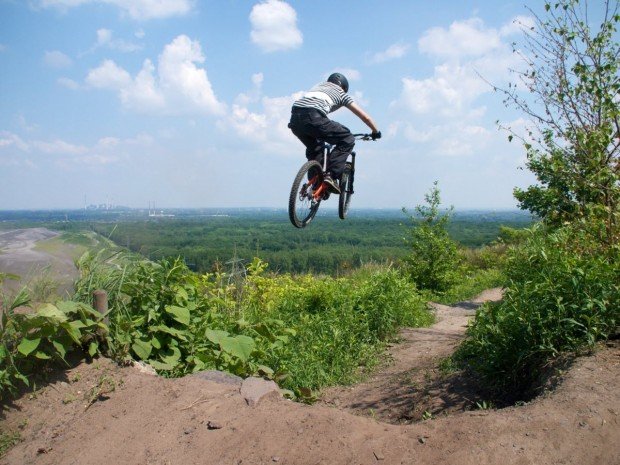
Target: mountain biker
{"type": "Point", "coordinates": [309, 122]}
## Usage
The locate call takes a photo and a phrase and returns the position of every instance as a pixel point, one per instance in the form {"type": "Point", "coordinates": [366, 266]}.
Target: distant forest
{"type": "Point", "coordinates": [209, 240]}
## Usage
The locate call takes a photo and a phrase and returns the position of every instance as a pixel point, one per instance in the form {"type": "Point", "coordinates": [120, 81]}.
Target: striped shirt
{"type": "Point", "coordinates": [325, 97]}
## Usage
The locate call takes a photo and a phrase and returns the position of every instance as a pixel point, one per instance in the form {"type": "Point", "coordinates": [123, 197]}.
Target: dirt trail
{"type": "Point", "coordinates": [145, 419]}
{"type": "Point", "coordinates": [412, 384]}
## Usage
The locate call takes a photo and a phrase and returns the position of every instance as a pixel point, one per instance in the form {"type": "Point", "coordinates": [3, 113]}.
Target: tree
{"type": "Point", "coordinates": [572, 81]}
{"type": "Point", "coordinates": [434, 255]}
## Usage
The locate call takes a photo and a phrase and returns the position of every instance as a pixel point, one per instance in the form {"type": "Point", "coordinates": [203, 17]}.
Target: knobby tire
{"type": "Point", "coordinates": [346, 190]}
{"type": "Point", "coordinates": [301, 207]}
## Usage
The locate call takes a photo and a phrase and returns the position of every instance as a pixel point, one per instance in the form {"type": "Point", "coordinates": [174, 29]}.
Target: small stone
{"type": "Point", "coordinates": [379, 455]}
{"type": "Point", "coordinates": [253, 390]}
{"type": "Point", "coordinates": [214, 425]}
{"type": "Point", "coordinates": [422, 440]}
{"type": "Point", "coordinates": [188, 430]}
{"type": "Point", "coordinates": [275, 459]}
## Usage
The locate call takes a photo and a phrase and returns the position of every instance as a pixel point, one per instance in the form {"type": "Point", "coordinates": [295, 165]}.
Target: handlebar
{"type": "Point", "coordinates": [363, 136]}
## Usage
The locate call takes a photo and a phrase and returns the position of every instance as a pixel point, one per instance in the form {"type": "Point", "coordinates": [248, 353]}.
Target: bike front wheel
{"type": "Point", "coordinates": [346, 191]}
{"type": "Point", "coordinates": [303, 202]}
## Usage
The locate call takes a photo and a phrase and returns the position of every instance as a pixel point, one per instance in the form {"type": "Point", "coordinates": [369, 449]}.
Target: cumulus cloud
{"type": "Point", "coordinates": [461, 39]}
{"type": "Point", "coordinates": [262, 120]}
{"type": "Point", "coordinates": [274, 26]}
{"type": "Point", "coordinates": [105, 39]}
{"type": "Point", "coordinates": [179, 85]}
{"type": "Point", "coordinates": [108, 76]}
{"type": "Point", "coordinates": [136, 9]}
{"type": "Point", "coordinates": [104, 151]}
{"type": "Point", "coordinates": [394, 51]}
{"type": "Point", "coordinates": [445, 107]}
{"type": "Point", "coordinates": [57, 59]}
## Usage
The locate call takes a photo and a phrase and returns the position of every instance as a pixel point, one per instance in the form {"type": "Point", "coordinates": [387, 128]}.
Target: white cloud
{"type": "Point", "coordinates": [274, 26]}
{"type": "Point", "coordinates": [68, 83]}
{"type": "Point", "coordinates": [517, 25]}
{"type": "Point", "coordinates": [3, 48]}
{"type": "Point", "coordinates": [394, 51]}
{"type": "Point", "coordinates": [266, 128]}
{"type": "Point", "coordinates": [350, 73]}
{"type": "Point", "coordinates": [461, 39]}
{"type": "Point", "coordinates": [105, 39]}
{"type": "Point", "coordinates": [108, 76]}
{"type": "Point", "coordinates": [179, 86]}
{"type": "Point", "coordinates": [136, 9]}
{"type": "Point", "coordinates": [66, 154]}
{"type": "Point", "coordinates": [8, 140]}
{"type": "Point", "coordinates": [57, 59]}
{"type": "Point", "coordinates": [58, 146]}
{"type": "Point", "coordinates": [446, 113]}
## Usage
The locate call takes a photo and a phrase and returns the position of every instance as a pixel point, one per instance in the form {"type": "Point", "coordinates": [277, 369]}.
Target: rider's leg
{"type": "Point", "coordinates": [340, 136]}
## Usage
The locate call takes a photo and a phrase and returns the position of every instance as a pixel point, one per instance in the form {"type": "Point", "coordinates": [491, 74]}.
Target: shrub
{"type": "Point", "coordinates": [563, 295]}
{"type": "Point", "coordinates": [434, 258]}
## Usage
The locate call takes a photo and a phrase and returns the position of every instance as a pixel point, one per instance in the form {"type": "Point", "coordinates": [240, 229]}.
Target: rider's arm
{"type": "Point", "coordinates": [361, 114]}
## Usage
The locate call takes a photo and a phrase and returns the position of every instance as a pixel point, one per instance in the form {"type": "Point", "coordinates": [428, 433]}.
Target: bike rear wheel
{"type": "Point", "coordinates": [346, 191]}
{"type": "Point", "coordinates": [303, 202]}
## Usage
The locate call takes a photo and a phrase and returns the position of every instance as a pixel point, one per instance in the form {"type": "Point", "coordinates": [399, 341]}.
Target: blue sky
{"type": "Point", "coordinates": [185, 102]}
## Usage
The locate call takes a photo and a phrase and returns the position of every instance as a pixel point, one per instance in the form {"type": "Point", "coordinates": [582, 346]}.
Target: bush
{"type": "Point", "coordinates": [305, 331]}
{"type": "Point", "coordinates": [563, 295]}
{"type": "Point", "coordinates": [434, 258]}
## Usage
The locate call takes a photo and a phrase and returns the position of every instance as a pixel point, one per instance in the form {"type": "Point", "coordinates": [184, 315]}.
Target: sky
{"type": "Point", "coordinates": [185, 103]}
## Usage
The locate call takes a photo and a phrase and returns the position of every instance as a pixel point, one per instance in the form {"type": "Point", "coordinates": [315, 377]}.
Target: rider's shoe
{"type": "Point", "coordinates": [332, 185]}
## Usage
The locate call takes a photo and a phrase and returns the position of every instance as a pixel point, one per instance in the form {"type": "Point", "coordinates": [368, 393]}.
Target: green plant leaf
{"type": "Point", "coordinates": [93, 348]}
{"type": "Point", "coordinates": [180, 314]}
{"type": "Point", "coordinates": [215, 335]}
{"type": "Point", "coordinates": [160, 365]}
{"type": "Point", "coordinates": [60, 348]}
{"type": "Point", "coordinates": [172, 356]}
{"type": "Point", "coordinates": [27, 346]}
{"type": "Point", "coordinates": [73, 331]}
{"type": "Point", "coordinates": [238, 346]}
{"type": "Point", "coordinates": [20, 299]}
{"type": "Point", "coordinates": [53, 313]}
{"type": "Point", "coordinates": [41, 355]}
{"type": "Point", "coordinates": [172, 331]}
{"type": "Point", "coordinates": [142, 348]}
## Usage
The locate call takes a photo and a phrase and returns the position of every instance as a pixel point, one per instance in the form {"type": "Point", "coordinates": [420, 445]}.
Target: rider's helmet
{"type": "Point", "coordinates": [339, 79]}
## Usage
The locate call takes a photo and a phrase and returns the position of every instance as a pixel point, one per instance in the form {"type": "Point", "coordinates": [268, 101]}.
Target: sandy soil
{"type": "Point", "coordinates": [19, 256]}
{"type": "Point", "coordinates": [99, 413]}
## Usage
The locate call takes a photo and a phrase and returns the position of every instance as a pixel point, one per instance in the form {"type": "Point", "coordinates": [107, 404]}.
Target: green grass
{"type": "Point", "coordinates": [7, 440]}
{"type": "Point", "coordinates": [471, 284]}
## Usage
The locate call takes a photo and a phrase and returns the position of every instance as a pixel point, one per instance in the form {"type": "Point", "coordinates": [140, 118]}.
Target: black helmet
{"type": "Point", "coordinates": [339, 79]}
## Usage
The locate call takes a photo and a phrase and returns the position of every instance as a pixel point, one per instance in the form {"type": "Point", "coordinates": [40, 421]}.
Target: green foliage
{"type": "Point", "coordinates": [305, 332]}
{"type": "Point", "coordinates": [29, 340]}
{"type": "Point", "coordinates": [434, 257]}
{"type": "Point", "coordinates": [471, 283]}
{"type": "Point", "coordinates": [333, 247]}
{"type": "Point", "coordinates": [563, 295]}
{"type": "Point", "coordinates": [7, 440]}
{"type": "Point", "coordinates": [573, 75]}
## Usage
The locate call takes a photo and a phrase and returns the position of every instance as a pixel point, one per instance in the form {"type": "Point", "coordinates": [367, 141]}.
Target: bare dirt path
{"type": "Point", "coordinates": [99, 413]}
{"type": "Point", "coordinates": [412, 384]}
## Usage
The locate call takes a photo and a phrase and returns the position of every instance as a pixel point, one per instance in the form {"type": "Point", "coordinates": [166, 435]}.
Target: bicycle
{"type": "Point", "coordinates": [309, 190]}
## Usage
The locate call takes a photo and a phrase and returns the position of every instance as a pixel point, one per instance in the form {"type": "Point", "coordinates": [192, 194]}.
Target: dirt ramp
{"type": "Point", "coordinates": [150, 420]}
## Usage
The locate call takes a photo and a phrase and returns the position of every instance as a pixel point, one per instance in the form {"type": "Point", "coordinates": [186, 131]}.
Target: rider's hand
{"type": "Point", "coordinates": [376, 135]}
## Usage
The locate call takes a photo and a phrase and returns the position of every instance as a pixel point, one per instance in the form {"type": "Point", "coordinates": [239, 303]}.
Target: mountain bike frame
{"type": "Point", "coordinates": [327, 151]}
